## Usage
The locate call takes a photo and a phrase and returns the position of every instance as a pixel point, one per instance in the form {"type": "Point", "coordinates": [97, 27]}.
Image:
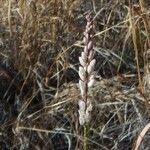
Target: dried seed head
{"type": "Point", "coordinates": [81, 111]}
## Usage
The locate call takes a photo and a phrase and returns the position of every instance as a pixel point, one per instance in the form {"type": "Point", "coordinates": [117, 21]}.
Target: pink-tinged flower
{"type": "Point", "coordinates": [86, 73]}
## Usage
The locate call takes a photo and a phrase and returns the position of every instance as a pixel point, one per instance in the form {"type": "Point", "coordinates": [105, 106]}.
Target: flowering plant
{"type": "Point", "coordinates": [86, 69]}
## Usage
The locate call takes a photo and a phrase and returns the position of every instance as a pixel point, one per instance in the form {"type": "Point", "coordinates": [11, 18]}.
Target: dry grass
{"type": "Point", "coordinates": [40, 42]}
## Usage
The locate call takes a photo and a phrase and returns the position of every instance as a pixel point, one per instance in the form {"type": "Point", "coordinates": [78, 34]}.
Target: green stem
{"type": "Point", "coordinates": [85, 138]}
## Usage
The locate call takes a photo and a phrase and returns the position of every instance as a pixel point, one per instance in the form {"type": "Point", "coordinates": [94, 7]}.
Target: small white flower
{"type": "Point", "coordinates": [85, 40]}
{"type": "Point", "coordinates": [81, 84]}
{"type": "Point", "coordinates": [91, 77]}
{"type": "Point", "coordinates": [87, 117]}
{"type": "Point", "coordinates": [86, 49]}
{"type": "Point", "coordinates": [91, 66]}
{"type": "Point", "coordinates": [91, 82]}
{"type": "Point", "coordinates": [81, 104]}
{"type": "Point", "coordinates": [81, 120]}
{"type": "Point", "coordinates": [90, 45]}
{"type": "Point", "coordinates": [81, 73]}
{"type": "Point", "coordinates": [82, 88]}
{"type": "Point", "coordinates": [81, 112]}
{"type": "Point", "coordinates": [82, 93]}
{"type": "Point", "coordinates": [91, 54]}
{"type": "Point", "coordinates": [82, 62]}
{"type": "Point", "coordinates": [84, 56]}
{"type": "Point", "coordinates": [89, 104]}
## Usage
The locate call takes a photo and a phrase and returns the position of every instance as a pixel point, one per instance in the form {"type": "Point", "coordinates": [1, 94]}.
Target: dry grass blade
{"type": "Point", "coordinates": [141, 136]}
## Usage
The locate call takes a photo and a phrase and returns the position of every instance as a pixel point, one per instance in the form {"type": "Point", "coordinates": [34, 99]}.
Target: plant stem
{"type": "Point", "coordinates": [85, 138]}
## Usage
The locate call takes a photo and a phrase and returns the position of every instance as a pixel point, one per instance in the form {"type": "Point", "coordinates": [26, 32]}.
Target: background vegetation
{"type": "Point", "coordinates": [40, 42]}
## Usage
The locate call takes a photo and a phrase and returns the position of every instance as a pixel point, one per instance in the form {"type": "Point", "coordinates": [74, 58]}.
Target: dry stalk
{"type": "Point", "coordinates": [141, 136]}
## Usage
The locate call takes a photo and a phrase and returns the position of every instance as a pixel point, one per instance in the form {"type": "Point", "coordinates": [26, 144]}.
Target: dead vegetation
{"type": "Point", "coordinates": [40, 42]}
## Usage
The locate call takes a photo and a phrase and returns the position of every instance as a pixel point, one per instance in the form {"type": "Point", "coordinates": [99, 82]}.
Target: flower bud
{"type": "Point", "coordinates": [91, 54]}
{"type": "Point", "coordinates": [81, 61]}
{"type": "Point", "coordinates": [91, 82]}
{"type": "Point", "coordinates": [91, 66]}
{"type": "Point", "coordinates": [90, 45]}
{"type": "Point", "coordinates": [81, 120]}
{"type": "Point", "coordinates": [83, 56]}
{"type": "Point", "coordinates": [81, 104]}
{"type": "Point", "coordinates": [81, 73]}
